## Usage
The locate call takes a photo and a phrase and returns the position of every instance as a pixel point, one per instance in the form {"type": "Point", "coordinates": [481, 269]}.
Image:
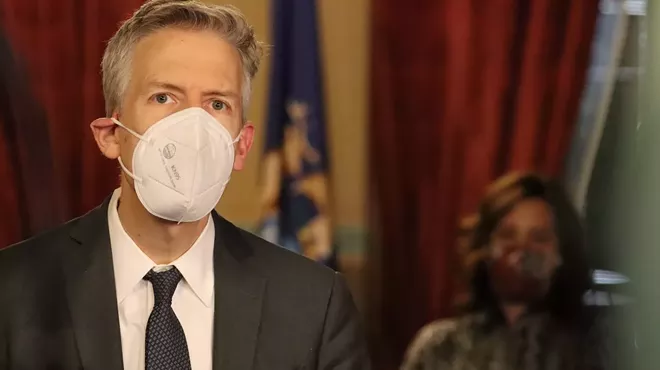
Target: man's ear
{"type": "Point", "coordinates": [243, 146]}
{"type": "Point", "coordinates": [104, 134]}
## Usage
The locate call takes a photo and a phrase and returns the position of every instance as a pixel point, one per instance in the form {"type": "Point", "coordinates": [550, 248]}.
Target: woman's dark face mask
{"type": "Point", "coordinates": [524, 253]}
{"type": "Point", "coordinates": [520, 277]}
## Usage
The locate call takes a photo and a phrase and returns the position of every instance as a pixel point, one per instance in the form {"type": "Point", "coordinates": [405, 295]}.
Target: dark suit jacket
{"type": "Point", "coordinates": [273, 309]}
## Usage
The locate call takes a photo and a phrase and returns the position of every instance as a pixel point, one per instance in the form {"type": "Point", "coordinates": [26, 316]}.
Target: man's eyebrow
{"type": "Point", "coordinates": [213, 92]}
{"type": "Point", "coordinates": [223, 93]}
{"type": "Point", "coordinates": [166, 86]}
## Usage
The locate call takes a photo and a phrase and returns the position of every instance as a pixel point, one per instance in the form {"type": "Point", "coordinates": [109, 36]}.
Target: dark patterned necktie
{"type": "Point", "coordinates": [165, 344]}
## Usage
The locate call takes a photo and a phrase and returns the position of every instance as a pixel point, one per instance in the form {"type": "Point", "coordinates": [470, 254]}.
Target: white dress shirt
{"type": "Point", "coordinates": [192, 301]}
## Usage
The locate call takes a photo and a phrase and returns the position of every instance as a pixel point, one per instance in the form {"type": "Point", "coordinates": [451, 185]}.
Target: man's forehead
{"type": "Point", "coordinates": [184, 58]}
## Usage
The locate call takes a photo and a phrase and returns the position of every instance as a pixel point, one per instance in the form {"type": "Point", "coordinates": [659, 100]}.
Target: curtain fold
{"type": "Point", "coordinates": [59, 45]}
{"type": "Point", "coordinates": [28, 199]}
{"type": "Point", "coordinates": [462, 91]}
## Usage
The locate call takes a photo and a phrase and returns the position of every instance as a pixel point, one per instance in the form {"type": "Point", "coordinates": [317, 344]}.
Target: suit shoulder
{"type": "Point", "coordinates": [35, 249]}
{"type": "Point", "coordinates": [275, 261]}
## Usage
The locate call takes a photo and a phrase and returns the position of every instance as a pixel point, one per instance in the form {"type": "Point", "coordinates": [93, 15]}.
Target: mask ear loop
{"type": "Point", "coordinates": [116, 122]}
{"type": "Point", "coordinates": [181, 219]}
{"type": "Point", "coordinates": [231, 145]}
{"type": "Point", "coordinates": [121, 163]}
{"type": "Point", "coordinates": [129, 173]}
{"type": "Point", "coordinates": [238, 137]}
{"type": "Point", "coordinates": [236, 140]}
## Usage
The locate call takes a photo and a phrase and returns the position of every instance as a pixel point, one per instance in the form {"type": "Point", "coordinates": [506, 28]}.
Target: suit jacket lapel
{"type": "Point", "coordinates": [238, 300]}
{"type": "Point", "coordinates": [91, 293]}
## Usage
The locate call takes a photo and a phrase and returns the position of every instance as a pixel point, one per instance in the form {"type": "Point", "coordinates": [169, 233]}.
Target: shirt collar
{"type": "Point", "coordinates": [130, 264]}
{"type": "Point", "coordinates": [196, 265]}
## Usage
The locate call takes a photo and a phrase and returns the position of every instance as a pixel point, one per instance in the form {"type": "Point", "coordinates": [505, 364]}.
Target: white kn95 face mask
{"type": "Point", "coordinates": [182, 164]}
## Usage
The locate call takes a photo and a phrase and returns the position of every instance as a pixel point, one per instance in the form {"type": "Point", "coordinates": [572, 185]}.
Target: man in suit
{"type": "Point", "coordinates": [154, 278]}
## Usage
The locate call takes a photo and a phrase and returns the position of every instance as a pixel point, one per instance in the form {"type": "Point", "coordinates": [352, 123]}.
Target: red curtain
{"type": "Point", "coordinates": [11, 226]}
{"type": "Point", "coordinates": [25, 171]}
{"type": "Point", "coordinates": [59, 44]}
{"type": "Point", "coordinates": [462, 91]}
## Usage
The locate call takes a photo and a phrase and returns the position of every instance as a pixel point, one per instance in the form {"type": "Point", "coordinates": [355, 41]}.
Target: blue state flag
{"type": "Point", "coordinates": [295, 204]}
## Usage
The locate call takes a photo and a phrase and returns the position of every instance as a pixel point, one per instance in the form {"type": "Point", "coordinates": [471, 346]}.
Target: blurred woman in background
{"type": "Point", "coordinates": [526, 307]}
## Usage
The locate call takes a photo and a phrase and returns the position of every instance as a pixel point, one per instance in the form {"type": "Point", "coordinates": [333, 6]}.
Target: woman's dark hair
{"type": "Point", "coordinates": [571, 280]}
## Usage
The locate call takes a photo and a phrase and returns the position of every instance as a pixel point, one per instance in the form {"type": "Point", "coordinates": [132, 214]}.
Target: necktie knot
{"type": "Point", "coordinates": [164, 284]}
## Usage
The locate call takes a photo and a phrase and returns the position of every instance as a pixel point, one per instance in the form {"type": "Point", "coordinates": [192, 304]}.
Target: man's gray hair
{"type": "Point", "coordinates": [155, 15]}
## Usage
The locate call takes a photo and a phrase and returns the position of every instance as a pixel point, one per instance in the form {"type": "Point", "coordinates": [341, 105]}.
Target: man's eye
{"type": "Point", "coordinates": [218, 105]}
{"type": "Point", "coordinates": [161, 98]}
